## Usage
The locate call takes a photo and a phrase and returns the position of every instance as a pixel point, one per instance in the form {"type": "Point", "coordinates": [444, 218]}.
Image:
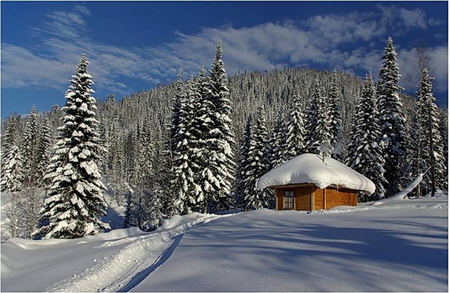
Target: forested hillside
{"type": "Point", "coordinates": [138, 133]}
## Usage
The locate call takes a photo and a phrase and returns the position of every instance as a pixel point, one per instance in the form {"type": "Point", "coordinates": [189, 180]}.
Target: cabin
{"type": "Point", "coordinates": [311, 182]}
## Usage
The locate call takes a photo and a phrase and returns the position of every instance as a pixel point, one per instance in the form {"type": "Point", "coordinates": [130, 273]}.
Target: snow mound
{"type": "Point", "coordinates": [309, 168]}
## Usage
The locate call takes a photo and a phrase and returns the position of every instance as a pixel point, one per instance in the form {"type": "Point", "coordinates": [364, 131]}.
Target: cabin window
{"type": "Point", "coordinates": [289, 200]}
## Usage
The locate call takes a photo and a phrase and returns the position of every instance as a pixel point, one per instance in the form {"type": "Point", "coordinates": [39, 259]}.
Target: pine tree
{"type": "Point", "coordinates": [277, 149]}
{"type": "Point", "coordinates": [219, 138]}
{"type": "Point", "coordinates": [443, 128]}
{"type": "Point", "coordinates": [43, 150]}
{"type": "Point", "coordinates": [257, 166]}
{"type": "Point", "coordinates": [206, 144]}
{"type": "Point", "coordinates": [162, 171]}
{"type": "Point", "coordinates": [365, 154]}
{"type": "Point", "coordinates": [156, 211]}
{"type": "Point", "coordinates": [12, 177]}
{"type": "Point", "coordinates": [30, 153]}
{"type": "Point", "coordinates": [429, 136]}
{"type": "Point", "coordinates": [295, 131]}
{"type": "Point", "coordinates": [74, 202]}
{"type": "Point", "coordinates": [176, 104]}
{"type": "Point", "coordinates": [319, 135]}
{"type": "Point", "coordinates": [145, 155]}
{"type": "Point", "coordinates": [128, 220]}
{"type": "Point", "coordinates": [311, 116]}
{"type": "Point", "coordinates": [131, 153]}
{"type": "Point", "coordinates": [185, 165]}
{"type": "Point", "coordinates": [391, 119]}
{"type": "Point", "coordinates": [243, 165]}
{"type": "Point", "coordinates": [335, 118]}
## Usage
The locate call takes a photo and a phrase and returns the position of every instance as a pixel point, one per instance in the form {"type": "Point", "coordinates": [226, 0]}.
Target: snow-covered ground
{"type": "Point", "coordinates": [399, 245]}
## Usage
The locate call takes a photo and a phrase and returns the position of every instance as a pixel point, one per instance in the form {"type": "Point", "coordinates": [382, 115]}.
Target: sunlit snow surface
{"type": "Point", "coordinates": [400, 245]}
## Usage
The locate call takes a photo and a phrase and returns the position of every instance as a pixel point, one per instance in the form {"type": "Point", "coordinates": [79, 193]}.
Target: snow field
{"type": "Point", "coordinates": [105, 262]}
{"type": "Point", "coordinates": [400, 245]}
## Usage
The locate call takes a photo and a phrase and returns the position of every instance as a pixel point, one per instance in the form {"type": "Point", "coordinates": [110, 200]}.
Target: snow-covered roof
{"type": "Point", "coordinates": [309, 168]}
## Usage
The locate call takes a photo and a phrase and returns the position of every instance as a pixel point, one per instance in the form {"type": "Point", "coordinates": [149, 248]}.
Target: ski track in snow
{"type": "Point", "coordinates": [130, 265]}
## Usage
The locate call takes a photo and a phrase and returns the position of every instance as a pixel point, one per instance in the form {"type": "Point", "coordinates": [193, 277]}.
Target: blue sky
{"type": "Point", "coordinates": [133, 46]}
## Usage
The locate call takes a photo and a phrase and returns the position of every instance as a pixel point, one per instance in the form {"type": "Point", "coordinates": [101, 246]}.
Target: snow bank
{"type": "Point", "coordinates": [309, 168]}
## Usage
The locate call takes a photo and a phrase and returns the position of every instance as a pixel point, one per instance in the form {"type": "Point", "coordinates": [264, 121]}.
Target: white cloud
{"type": "Point", "coordinates": [320, 39]}
{"type": "Point", "coordinates": [413, 18]}
{"type": "Point", "coordinates": [83, 10]}
{"type": "Point", "coordinates": [23, 68]}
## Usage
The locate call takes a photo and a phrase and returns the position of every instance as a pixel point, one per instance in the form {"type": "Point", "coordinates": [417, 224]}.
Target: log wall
{"type": "Point", "coordinates": [309, 197]}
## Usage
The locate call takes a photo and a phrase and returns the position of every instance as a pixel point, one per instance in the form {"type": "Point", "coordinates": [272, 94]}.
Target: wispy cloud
{"type": "Point", "coordinates": [83, 10]}
{"type": "Point", "coordinates": [323, 40]}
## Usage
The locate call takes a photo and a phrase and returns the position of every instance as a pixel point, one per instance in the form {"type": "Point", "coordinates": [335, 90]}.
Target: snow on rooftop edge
{"type": "Point", "coordinates": [309, 168]}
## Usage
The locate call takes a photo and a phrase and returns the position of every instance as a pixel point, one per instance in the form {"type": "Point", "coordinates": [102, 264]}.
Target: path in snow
{"type": "Point", "coordinates": [131, 264]}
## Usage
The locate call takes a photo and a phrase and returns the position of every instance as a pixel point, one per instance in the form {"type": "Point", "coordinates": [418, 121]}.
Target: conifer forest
{"type": "Point", "coordinates": [201, 143]}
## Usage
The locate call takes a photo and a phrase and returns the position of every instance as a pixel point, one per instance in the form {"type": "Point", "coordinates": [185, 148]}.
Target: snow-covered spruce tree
{"type": "Point", "coordinates": [176, 104]}
{"type": "Point", "coordinates": [131, 164]}
{"type": "Point", "coordinates": [256, 167]}
{"type": "Point", "coordinates": [277, 143]}
{"type": "Point", "coordinates": [30, 205]}
{"type": "Point", "coordinates": [162, 173]}
{"type": "Point", "coordinates": [207, 152]}
{"type": "Point", "coordinates": [44, 150]}
{"type": "Point", "coordinates": [74, 202]}
{"type": "Point", "coordinates": [218, 164]}
{"type": "Point", "coordinates": [365, 154]}
{"type": "Point", "coordinates": [12, 177]}
{"type": "Point", "coordinates": [128, 220]}
{"type": "Point", "coordinates": [156, 214]}
{"type": "Point", "coordinates": [429, 137]}
{"type": "Point", "coordinates": [443, 129]}
{"type": "Point", "coordinates": [295, 131]}
{"type": "Point", "coordinates": [145, 155]}
{"type": "Point", "coordinates": [30, 145]}
{"type": "Point", "coordinates": [319, 123]}
{"type": "Point", "coordinates": [243, 165]}
{"type": "Point", "coordinates": [185, 164]}
{"type": "Point", "coordinates": [335, 118]}
{"type": "Point", "coordinates": [312, 118]}
{"type": "Point", "coordinates": [391, 119]}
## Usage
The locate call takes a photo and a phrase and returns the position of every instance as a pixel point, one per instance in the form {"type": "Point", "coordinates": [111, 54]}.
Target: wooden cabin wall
{"type": "Point", "coordinates": [280, 199]}
{"type": "Point", "coordinates": [307, 197]}
{"type": "Point", "coordinates": [318, 199]}
{"type": "Point", "coordinates": [341, 197]}
{"type": "Point", "coordinates": [303, 198]}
